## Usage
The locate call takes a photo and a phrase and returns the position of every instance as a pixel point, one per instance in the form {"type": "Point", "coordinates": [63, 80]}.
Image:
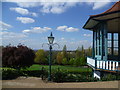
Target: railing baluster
{"type": "Point", "coordinates": [113, 65]}
{"type": "Point", "coordinates": [106, 64]}
{"type": "Point", "coordinates": [103, 64]}
{"type": "Point", "coordinates": [100, 64]}
{"type": "Point", "coordinates": [109, 65]}
{"type": "Point", "coordinates": [97, 64]}
{"type": "Point", "coordinates": [116, 65]}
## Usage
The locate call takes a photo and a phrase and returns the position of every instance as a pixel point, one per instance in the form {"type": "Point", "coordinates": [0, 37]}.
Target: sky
{"type": "Point", "coordinates": [30, 23]}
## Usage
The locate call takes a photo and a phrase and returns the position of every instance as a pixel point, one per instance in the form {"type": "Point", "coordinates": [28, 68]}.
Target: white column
{"type": "Point", "coordinates": [113, 65]}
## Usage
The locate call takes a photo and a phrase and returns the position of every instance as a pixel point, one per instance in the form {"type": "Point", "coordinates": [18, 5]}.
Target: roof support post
{"type": "Point", "coordinates": [105, 40]}
{"type": "Point", "coordinates": [101, 41]}
{"type": "Point", "coordinates": [119, 46]}
{"type": "Point", "coordinates": [112, 48]}
{"type": "Point", "coordinates": [93, 47]}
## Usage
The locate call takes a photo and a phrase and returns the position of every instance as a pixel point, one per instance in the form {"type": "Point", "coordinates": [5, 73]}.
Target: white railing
{"type": "Point", "coordinates": [91, 62]}
{"type": "Point", "coordinates": [104, 64]}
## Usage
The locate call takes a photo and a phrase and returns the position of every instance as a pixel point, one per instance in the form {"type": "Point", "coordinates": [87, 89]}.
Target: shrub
{"type": "Point", "coordinates": [109, 77]}
{"type": "Point", "coordinates": [59, 75]}
{"type": "Point", "coordinates": [10, 73]}
{"type": "Point", "coordinates": [64, 61]}
{"type": "Point", "coordinates": [17, 57]}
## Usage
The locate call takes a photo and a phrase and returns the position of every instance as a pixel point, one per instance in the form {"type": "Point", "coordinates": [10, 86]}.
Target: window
{"type": "Point", "coordinates": [113, 44]}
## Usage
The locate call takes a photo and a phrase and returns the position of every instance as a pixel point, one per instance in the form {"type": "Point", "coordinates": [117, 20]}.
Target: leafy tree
{"type": "Point", "coordinates": [64, 61]}
{"type": "Point", "coordinates": [17, 57]}
{"type": "Point", "coordinates": [71, 61]}
{"type": "Point", "coordinates": [64, 52]}
{"type": "Point", "coordinates": [59, 58]}
{"type": "Point", "coordinates": [77, 62]}
{"type": "Point", "coordinates": [78, 53]}
{"type": "Point", "coordinates": [41, 57]}
{"type": "Point", "coordinates": [82, 61]}
{"type": "Point", "coordinates": [89, 53]}
{"type": "Point", "coordinates": [83, 51]}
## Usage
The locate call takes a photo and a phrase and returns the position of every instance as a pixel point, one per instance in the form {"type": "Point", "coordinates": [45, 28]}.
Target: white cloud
{"type": "Point", "coordinates": [25, 20]}
{"type": "Point", "coordinates": [98, 5]}
{"type": "Point", "coordinates": [34, 14]}
{"type": "Point", "coordinates": [20, 10]}
{"type": "Point", "coordinates": [67, 29]}
{"type": "Point", "coordinates": [87, 35]}
{"type": "Point", "coordinates": [9, 35]}
{"type": "Point", "coordinates": [62, 38]}
{"type": "Point", "coordinates": [37, 30]}
{"type": "Point", "coordinates": [60, 6]}
{"type": "Point", "coordinates": [4, 26]}
{"type": "Point", "coordinates": [23, 11]}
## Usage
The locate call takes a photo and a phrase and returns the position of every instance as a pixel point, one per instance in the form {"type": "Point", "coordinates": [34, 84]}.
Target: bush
{"type": "Point", "coordinates": [64, 61]}
{"type": "Point", "coordinates": [109, 77]}
{"type": "Point", "coordinates": [59, 75]}
{"type": "Point", "coordinates": [10, 73]}
{"type": "Point", "coordinates": [17, 57]}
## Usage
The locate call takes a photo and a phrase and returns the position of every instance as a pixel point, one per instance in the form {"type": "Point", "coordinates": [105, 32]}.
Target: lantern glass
{"type": "Point", "coordinates": [50, 39]}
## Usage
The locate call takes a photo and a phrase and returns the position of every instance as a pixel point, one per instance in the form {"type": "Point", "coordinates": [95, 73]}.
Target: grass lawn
{"type": "Point", "coordinates": [54, 67]}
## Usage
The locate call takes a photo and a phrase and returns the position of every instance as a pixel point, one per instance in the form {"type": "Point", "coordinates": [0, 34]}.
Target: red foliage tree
{"type": "Point", "coordinates": [17, 57]}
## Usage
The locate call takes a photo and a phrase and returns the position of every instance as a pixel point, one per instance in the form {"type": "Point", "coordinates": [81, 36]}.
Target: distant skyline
{"type": "Point", "coordinates": [31, 23]}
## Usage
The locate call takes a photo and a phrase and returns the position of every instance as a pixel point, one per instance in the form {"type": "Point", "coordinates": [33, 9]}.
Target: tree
{"type": "Point", "coordinates": [64, 52]}
{"type": "Point", "coordinates": [59, 58]}
{"type": "Point", "coordinates": [89, 53]}
{"type": "Point", "coordinates": [17, 56]}
{"type": "Point", "coordinates": [78, 53]}
{"type": "Point", "coordinates": [71, 61]}
{"type": "Point", "coordinates": [40, 57]}
{"type": "Point", "coordinates": [64, 61]}
{"type": "Point", "coordinates": [83, 51]}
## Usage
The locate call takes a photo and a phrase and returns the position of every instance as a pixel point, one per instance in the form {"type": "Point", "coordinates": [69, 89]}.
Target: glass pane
{"type": "Point", "coordinates": [115, 43]}
{"type": "Point", "coordinates": [115, 36]}
{"type": "Point", "coordinates": [109, 36]}
{"type": "Point", "coordinates": [109, 51]}
{"type": "Point", "coordinates": [109, 43]}
{"type": "Point", "coordinates": [115, 51]}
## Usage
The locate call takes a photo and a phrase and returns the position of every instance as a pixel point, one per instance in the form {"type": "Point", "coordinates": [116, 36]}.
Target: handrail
{"type": "Point", "coordinates": [103, 64]}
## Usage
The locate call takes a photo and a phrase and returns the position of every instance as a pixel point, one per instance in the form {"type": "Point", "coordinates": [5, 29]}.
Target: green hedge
{"type": "Point", "coordinates": [58, 75]}
{"type": "Point", "coordinates": [9, 73]}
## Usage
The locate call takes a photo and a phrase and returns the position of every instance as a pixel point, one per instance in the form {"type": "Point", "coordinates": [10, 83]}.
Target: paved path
{"type": "Point", "coordinates": [33, 82]}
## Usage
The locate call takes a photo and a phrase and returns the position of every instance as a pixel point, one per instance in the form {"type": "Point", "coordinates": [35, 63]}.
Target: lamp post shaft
{"type": "Point", "coordinates": [50, 58]}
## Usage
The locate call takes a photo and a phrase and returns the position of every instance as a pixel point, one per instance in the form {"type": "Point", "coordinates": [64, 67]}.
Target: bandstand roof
{"type": "Point", "coordinates": [112, 16]}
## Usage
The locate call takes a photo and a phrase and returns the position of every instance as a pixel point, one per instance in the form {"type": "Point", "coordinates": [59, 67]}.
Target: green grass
{"type": "Point", "coordinates": [54, 67]}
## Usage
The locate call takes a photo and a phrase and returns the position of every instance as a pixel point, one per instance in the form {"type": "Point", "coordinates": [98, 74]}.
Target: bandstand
{"type": "Point", "coordinates": [106, 41]}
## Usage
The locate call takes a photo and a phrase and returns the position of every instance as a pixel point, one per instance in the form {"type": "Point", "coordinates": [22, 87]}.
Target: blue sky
{"type": "Point", "coordinates": [31, 23]}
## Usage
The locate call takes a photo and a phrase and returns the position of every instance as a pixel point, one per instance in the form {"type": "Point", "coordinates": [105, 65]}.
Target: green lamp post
{"type": "Point", "coordinates": [50, 40]}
